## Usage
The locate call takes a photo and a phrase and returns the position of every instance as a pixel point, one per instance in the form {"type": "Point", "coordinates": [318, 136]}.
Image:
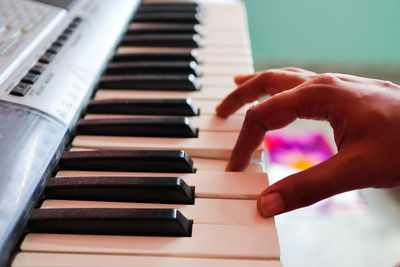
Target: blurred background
{"type": "Point", "coordinates": [359, 37]}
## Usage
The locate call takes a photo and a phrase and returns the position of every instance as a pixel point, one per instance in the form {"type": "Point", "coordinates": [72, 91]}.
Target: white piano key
{"type": "Point", "coordinates": [234, 35]}
{"type": "Point", "coordinates": [213, 10]}
{"type": "Point", "coordinates": [206, 55]}
{"type": "Point", "coordinates": [209, 123]}
{"type": "Point", "coordinates": [216, 82]}
{"type": "Point", "coordinates": [227, 60]}
{"type": "Point", "coordinates": [207, 241]}
{"type": "Point", "coordinates": [204, 210]}
{"type": "Point", "coordinates": [208, 184]}
{"type": "Point", "coordinates": [218, 24]}
{"type": "Point", "coordinates": [215, 145]}
{"type": "Point", "coordinates": [29, 259]}
{"type": "Point", "coordinates": [204, 94]}
{"type": "Point", "coordinates": [216, 67]}
{"type": "Point", "coordinates": [206, 164]}
{"type": "Point", "coordinates": [239, 51]}
{"type": "Point", "coordinates": [222, 53]}
{"type": "Point", "coordinates": [206, 107]}
{"type": "Point", "coordinates": [211, 25]}
{"type": "Point", "coordinates": [221, 6]}
{"type": "Point", "coordinates": [241, 36]}
{"type": "Point", "coordinates": [230, 43]}
{"type": "Point", "coordinates": [215, 22]}
{"type": "Point", "coordinates": [228, 70]}
{"type": "Point", "coordinates": [235, 20]}
{"type": "Point", "coordinates": [219, 57]}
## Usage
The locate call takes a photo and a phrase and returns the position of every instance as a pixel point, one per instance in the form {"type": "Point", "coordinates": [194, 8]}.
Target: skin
{"type": "Point", "coordinates": [365, 117]}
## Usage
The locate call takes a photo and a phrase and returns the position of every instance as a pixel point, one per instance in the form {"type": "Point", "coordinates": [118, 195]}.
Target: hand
{"type": "Point", "coordinates": [364, 114]}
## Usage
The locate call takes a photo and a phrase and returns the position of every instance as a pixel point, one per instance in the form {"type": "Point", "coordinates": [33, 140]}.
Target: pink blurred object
{"type": "Point", "coordinates": [297, 150]}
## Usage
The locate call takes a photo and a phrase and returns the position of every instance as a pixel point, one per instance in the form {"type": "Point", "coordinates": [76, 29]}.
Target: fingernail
{"type": "Point", "coordinates": [228, 167]}
{"type": "Point", "coordinates": [217, 110]}
{"type": "Point", "coordinates": [271, 204]}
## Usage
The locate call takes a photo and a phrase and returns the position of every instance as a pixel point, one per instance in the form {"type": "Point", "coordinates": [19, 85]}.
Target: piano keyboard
{"type": "Point", "coordinates": [221, 39]}
{"type": "Point", "coordinates": [143, 181]}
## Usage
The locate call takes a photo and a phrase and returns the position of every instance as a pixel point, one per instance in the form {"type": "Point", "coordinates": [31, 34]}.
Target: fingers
{"type": "Point", "coordinates": [343, 172]}
{"type": "Point", "coordinates": [249, 91]}
{"type": "Point", "coordinates": [239, 79]}
{"type": "Point", "coordinates": [256, 123]}
{"type": "Point", "coordinates": [250, 138]}
{"type": "Point", "coordinates": [260, 85]}
{"type": "Point", "coordinates": [306, 101]}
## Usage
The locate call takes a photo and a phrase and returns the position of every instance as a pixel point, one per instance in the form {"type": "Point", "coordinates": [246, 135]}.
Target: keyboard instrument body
{"type": "Point", "coordinates": [41, 108]}
{"type": "Point", "coordinates": [35, 128]}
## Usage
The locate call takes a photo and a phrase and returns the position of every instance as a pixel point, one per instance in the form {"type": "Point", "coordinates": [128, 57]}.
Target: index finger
{"type": "Point", "coordinates": [241, 78]}
{"type": "Point", "coordinates": [277, 112]}
{"type": "Point", "coordinates": [266, 83]}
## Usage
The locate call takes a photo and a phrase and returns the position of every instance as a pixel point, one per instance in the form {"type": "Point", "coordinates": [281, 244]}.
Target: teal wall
{"type": "Point", "coordinates": [324, 32]}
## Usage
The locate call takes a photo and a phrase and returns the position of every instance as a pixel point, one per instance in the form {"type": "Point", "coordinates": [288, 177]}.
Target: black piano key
{"type": "Point", "coordinates": [77, 20]}
{"type": "Point", "coordinates": [156, 28]}
{"type": "Point", "coordinates": [182, 107]}
{"type": "Point", "coordinates": [171, 4]}
{"type": "Point", "coordinates": [60, 41]}
{"type": "Point", "coordinates": [73, 25]}
{"type": "Point", "coordinates": [169, 17]}
{"type": "Point", "coordinates": [153, 67]}
{"type": "Point", "coordinates": [162, 40]}
{"type": "Point", "coordinates": [55, 48]}
{"type": "Point", "coordinates": [30, 78]}
{"type": "Point", "coordinates": [47, 57]}
{"type": "Point", "coordinates": [38, 69]}
{"type": "Point", "coordinates": [172, 161]}
{"type": "Point", "coordinates": [157, 56]}
{"type": "Point", "coordinates": [162, 82]}
{"type": "Point", "coordinates": [21, 89]}
{"type": "Point", "coordinates": [145, 8]}
{"type": "Point", "coordinates": [147, 127]}
{"type": "Point", "coordinates": [64, 36]}
{"type": "Point", "coordinates": [168, 9]}
{"type": "Point", "coordinates": [172, 190]}
{"type": "Point", "coordinates": [108, 221]}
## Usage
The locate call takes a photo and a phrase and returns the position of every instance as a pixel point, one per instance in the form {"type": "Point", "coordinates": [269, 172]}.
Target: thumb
{"type": "Point", "coordinates": [345, 171]}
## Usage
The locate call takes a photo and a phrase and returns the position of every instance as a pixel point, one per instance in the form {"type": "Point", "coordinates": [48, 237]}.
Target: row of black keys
{"type": "Point", "coordinates": [169, 12]}
{"type": "Point", "coordinates": [148, 127]}
{"type": "Point", "coordinates": [180, 127]}
{"type": "Point", "coordinates": [165, 25]}
{"type": "Point", "coordinates": [164, 190]}
{"type": "Point", "coordinates": [130, 72]}
{"type": "Point", "coordinates": [108, 221]}
{"type": "Point", "coordinates": [161, 25]}
{"type": "Point", "coordinates": [23, 87]}
{"type": "Point", "coordinates": [158, 190]}
{"type": "Point", "coordinates": [155, 222]}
